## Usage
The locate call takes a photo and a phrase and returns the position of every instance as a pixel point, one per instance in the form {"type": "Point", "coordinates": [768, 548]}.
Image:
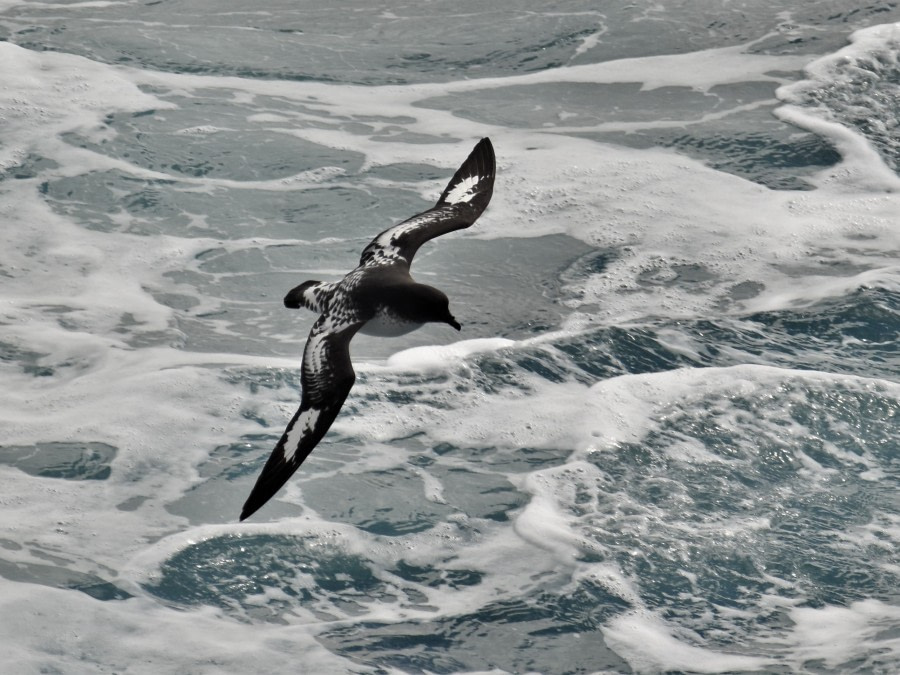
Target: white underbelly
{"type": "Point", "coordinates": [385, 324]}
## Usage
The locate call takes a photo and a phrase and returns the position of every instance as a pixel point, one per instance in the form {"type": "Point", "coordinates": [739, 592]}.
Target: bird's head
{"type": "Point", "coordinates": [432, 305]}
{"type": "Point", "coordinates": [450, 320]}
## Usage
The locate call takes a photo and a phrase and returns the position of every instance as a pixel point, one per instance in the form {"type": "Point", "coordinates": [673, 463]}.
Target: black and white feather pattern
{"type": "Point", "coordinates": [312, 295]}
{"type": "Point", "coordinates": [326, 378]}
{"type": "Point", "coordinates": [463, 200]}
{"type": "Point", "coordinates": [347, 305]}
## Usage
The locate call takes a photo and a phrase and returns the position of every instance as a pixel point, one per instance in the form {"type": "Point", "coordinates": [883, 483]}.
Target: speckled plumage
{"type": "Point", "coordinates": [379, 297]}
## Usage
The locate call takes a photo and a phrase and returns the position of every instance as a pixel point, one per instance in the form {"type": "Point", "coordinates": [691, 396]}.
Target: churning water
{"type": "Point", "coordinates": [667, 441]}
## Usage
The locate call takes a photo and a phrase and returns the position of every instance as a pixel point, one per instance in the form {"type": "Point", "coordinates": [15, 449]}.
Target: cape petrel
{"type": "Point", "coordinates": [380, 298]}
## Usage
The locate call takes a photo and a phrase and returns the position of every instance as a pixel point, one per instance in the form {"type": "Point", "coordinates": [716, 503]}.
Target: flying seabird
{"type": "Point", "coordinates": [379, 298]}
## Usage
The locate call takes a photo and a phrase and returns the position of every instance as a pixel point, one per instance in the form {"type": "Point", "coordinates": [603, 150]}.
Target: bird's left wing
{"type": "Point", "coordinates": [327, 377]}
{"type": "Point", "coordinates": [462, 201]}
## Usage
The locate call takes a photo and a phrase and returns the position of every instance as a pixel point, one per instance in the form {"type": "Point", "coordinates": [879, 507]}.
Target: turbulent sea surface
{"type": "Point", "coordinates": [667, 439]}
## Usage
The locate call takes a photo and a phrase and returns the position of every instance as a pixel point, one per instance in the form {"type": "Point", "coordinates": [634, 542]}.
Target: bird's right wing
{"type": "Point", "coordinates": [462, 201]}
{"type": "Point", "coordinates": [327, 377]}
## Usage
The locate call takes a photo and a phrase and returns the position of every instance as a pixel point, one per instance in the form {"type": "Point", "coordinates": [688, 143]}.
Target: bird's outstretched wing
{"type": "Point", "coordinates": [463, 200]}
{"type": "Point", "coordinates": [327, 377]}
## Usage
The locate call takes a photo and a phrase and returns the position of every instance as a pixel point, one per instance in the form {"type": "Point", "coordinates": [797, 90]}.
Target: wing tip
{"type": "Point", "coordinates": [256, 501]}
{"type": "Point", "coordinates": [480, 164]}
{"type": "Point", "coordinates": [250, 507]}
{"type": "Point", "coordinates": [485, 147]}
{"type": "Point", "coordinates": [483, 158]}
{"type": "Point", "coordinates": [274, 475]}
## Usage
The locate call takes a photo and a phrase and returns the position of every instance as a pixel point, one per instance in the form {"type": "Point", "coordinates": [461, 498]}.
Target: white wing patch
{"type": "Point", "coordinates": [305, 423]}
{"type": "Point", "coordinates": [464, 190]}
{"type": "Point", "coordinates": [390, 237]}
{"type": "Point", "coordinates": [385, 249]}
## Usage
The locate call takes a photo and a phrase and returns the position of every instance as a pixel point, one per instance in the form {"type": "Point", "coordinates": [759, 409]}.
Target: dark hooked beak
{"type": "Point", "coordinates": [453, 322]}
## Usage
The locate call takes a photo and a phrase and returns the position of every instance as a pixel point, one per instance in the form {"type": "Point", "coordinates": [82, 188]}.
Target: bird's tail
{"type": "Point", "coordinates": [312, 295]}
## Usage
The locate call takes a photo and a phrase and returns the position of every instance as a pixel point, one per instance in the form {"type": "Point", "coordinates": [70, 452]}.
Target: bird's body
{"type": "Point", "coordinates": [387, 323]}
{"type": "Point", "coordinates": [378, 298]}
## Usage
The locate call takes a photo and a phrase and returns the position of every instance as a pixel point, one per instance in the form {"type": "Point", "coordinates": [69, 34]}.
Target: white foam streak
{"type": "Point", "coordinates": [863, 43]}
{"type": "Point", "coordinates": [862, 168]}
{"type": "Point", "coordinates": [847, 69]}
{"type": "Point", "coordinates": [35, 85]}
{"type": "Point", "coordinates": [700, 70]}
{"type": "Point", "coordinates": [649, 645]}
{"type": "Point", "coordinates": [115, 636]}
{"type": "Point", "coordinates": [439, 357]}
{"type": "Point", "coordinates": [543, 524]}
{"type": "Point", "coordinates": [840, 636]}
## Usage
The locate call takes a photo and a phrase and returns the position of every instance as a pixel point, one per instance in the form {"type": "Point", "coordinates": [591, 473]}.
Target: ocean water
{"type": "Point", "coordinates": [667, 439]}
